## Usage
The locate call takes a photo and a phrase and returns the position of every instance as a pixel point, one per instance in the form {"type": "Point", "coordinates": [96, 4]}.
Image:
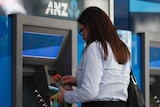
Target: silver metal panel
{"type": "Point", "coordinates": [17, 62]}
{"type": "Point", "coordinates": [148, 39]}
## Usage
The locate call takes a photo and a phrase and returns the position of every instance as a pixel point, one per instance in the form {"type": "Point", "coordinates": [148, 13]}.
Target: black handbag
{"type": "Point", "coordinates": [135, 97]}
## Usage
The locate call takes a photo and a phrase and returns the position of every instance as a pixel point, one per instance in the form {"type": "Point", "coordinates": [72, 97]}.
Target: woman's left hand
{"type": "Point", "coordinates": [61, 95]}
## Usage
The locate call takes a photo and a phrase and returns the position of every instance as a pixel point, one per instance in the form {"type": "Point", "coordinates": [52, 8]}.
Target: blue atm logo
{"type": "Point", "coordinates": [63, 9]}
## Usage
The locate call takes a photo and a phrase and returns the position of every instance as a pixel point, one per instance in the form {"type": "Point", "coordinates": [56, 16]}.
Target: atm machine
{"type": "Point", "coordinates": [40, 46]}
{"type": "Point", "coordinates": [151, 68]}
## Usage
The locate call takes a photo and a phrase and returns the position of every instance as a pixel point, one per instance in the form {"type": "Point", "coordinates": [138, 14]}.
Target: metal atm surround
{"type": "Point", "coordinates": [148, 39]}
{"type": "Point", "coordinates": [18, 23]}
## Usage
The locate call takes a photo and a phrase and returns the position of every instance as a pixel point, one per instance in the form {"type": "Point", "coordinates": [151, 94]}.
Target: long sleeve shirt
{"type": "Point", "coordinates": [99, 79]}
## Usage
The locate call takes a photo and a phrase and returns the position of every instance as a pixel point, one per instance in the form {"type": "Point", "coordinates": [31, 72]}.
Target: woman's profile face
{"type": "Point", "coordinates": [83, 31]}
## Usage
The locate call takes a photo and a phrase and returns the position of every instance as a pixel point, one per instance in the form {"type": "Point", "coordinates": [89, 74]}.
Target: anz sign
{"type": "Point", "coordinates": [64, 9]}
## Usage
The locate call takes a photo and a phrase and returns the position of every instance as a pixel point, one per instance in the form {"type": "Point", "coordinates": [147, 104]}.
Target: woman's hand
{"type": "Point", "coordinates": [68, 79]}
{"type": "Point", "coordinates": [59, 95]}
{"type": "Point", "coordinates": [68, 82]}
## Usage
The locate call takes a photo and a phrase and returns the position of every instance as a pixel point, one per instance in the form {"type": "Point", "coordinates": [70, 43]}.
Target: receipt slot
{"type": "Point", "coordinates": [40, 45]}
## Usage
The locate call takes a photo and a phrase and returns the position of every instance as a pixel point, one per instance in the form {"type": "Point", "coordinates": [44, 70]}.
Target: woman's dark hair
{"type": "Point", "coordinates": [100, 28]}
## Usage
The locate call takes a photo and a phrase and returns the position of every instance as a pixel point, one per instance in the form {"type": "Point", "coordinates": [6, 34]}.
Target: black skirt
{"type": "Point", "coordinates": [105, 104]}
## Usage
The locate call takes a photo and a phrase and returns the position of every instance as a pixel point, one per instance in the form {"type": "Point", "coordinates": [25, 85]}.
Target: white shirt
{"type": "Point", "coordinates": [99, 79]}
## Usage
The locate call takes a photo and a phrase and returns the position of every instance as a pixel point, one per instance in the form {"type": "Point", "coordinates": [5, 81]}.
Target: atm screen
{"type": "Point", "coordinates": [41, 45]}
{"type": "Point", "coordinates": [155, 57]}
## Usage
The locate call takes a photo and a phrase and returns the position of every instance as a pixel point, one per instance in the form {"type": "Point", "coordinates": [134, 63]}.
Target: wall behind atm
{"type": "Point", "coordinates": [143, 13]}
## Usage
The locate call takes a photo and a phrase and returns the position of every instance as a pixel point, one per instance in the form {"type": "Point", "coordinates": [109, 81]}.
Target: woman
{"type": "Point", "coordinates": [103, 75]}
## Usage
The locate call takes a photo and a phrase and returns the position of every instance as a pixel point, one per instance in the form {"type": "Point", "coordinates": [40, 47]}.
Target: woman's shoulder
{"type": "Point", "coordinates": [95, 44]}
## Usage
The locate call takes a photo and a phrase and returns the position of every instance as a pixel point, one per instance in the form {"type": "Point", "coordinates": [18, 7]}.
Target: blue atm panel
{"type": "Point", "coordinates": [5, 62]}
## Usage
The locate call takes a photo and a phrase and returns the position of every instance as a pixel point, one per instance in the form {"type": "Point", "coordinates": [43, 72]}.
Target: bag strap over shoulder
{"type": "Point", "coordinates": [133, 78]}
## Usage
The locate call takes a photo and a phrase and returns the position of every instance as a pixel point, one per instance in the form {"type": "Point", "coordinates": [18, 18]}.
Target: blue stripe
{"type": "Point", "coordinates": [144, 6]}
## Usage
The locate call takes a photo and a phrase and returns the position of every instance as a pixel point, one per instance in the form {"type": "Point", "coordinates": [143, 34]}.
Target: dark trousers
{"type": "Point", "coordinates": [105, 104]}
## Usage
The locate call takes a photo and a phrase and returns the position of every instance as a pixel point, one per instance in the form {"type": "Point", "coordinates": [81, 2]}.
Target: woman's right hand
{"type": "Point", "coordinates": [69, 79]}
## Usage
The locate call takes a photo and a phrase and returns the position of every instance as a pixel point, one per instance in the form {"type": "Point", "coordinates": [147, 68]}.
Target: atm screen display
{"type": "Point", "coordinates": [154, 57]}
{"type": "Point", "coordinates": [41, 45]}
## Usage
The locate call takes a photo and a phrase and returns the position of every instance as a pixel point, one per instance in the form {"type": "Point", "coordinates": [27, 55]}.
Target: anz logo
{"type": "Point", "coordinates": [63, 9]}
